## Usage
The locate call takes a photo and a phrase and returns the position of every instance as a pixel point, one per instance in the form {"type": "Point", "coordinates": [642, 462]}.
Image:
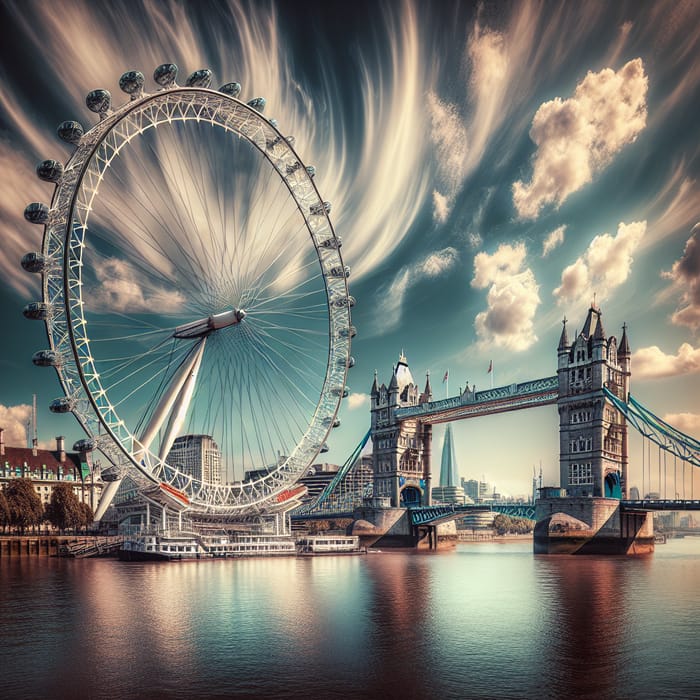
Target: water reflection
{"type": "Point", "coordinates": [484, 621]}
{"type": "Point", "coordinates": [587, 623]}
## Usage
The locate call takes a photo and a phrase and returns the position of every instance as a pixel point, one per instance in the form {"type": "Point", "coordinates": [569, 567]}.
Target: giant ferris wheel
{"type": "Point", "coordinates": [193, 289]}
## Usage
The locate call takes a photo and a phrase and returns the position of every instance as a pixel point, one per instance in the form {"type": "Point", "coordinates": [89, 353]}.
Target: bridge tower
{"type": "Point", "coordinates": [593, 443]}
{"type": "Point", "coordinates": [401, 449]}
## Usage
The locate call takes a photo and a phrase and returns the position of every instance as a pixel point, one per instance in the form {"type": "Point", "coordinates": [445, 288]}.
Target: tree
{"type": "Point", "coordinates": [24, 504]}
{"type": "Point", "coordinates": [86, 515]}
{"type": "Point", "coordinates": [63, 509]}
{"type": "Point", "coordinates": [504, 524]}
{"type": "Point", "coordinates": [4, 510]}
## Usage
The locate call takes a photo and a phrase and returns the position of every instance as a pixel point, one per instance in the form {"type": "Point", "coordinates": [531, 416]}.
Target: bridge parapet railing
{"type": "Point", "coordinates": [470, 397]}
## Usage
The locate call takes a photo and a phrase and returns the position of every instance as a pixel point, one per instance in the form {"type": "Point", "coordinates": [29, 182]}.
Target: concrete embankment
{"type": "Point", "coordinates": [53, 545]}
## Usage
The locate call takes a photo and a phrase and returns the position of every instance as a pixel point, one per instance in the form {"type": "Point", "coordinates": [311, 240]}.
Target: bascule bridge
{"type": "Point", "coordinates": [593, 432]}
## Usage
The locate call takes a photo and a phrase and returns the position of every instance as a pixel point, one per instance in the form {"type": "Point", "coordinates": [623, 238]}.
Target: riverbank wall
{"type": "Point", "coordinates": [47, 545]}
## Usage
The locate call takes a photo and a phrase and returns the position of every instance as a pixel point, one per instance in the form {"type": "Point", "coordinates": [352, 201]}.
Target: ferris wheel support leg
{"type": "Point", "coordinates": [106, 499]}
{"type": "Point", "coordinates": [179, 409]}
{"type": "Point", "coordinates": [169, 397]}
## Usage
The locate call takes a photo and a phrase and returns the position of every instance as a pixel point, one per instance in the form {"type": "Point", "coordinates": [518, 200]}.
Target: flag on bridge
{"type": "Point", "coordinates": [490, 367]}
{"type": "Point", "coordinates": [446, 377]}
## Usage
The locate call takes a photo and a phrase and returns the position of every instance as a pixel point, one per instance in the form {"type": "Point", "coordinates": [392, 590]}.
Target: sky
{"type": "Point", "coordinates": [492, 168]}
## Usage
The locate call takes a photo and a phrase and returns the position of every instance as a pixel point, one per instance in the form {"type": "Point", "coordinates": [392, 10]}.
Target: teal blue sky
{"type": "Point", "coordinates": [493, 167]}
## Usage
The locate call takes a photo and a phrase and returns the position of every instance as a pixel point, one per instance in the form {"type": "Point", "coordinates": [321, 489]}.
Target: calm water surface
{"type": "Point", "coordinates": [484, 621]}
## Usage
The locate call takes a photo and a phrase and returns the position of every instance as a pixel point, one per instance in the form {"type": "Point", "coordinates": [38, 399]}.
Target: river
{"type": "Point", "coordinates": [487, 620]}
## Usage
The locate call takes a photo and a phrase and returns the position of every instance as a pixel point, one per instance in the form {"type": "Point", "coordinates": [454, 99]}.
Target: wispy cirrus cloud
{"type": "Point", "coordinates": [393, 294]}
{"type": "Point", "coordinates": [97, 42]}
{"type": "Point", "coordinates": [553, 240]}
{"type": "Point", "coordinates": [579, 136]}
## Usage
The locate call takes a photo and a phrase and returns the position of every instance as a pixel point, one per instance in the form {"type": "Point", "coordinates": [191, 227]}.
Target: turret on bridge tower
{"type": "Point", "coordinates": [592, 432]}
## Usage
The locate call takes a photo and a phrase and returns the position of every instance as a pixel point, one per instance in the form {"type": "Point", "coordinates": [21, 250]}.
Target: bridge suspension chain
{"type": "Point", "coordinates": [657, 430]}
{"type": "Point", "coordinates": [337, 480]}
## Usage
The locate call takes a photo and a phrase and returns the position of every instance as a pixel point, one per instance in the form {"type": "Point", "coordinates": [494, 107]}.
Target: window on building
{"type": "Point", "coordinates": [580, 474]}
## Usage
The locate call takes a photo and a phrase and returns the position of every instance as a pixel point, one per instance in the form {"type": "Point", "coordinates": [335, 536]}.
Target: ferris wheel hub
{"type": "Point", "coordinates": [206, 326]}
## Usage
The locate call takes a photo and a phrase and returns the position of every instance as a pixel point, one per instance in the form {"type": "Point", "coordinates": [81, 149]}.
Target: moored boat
{"type": "Point", "coordinates": [314, 545]}
{"type": "Point", "coordinates": [162, 546]}
{"type": "Point", "coordinates": [178, 546]}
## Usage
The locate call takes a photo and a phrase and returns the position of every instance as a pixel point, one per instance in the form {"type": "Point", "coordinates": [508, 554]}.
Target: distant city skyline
{"type": "Point", "coordinates": [493, 168]}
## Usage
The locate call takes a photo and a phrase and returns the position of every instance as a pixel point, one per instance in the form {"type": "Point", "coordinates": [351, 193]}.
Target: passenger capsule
{"type": "Point", "coordinates": [340, 271]}
{"type": "Point", "coordinates": [36, 311]}
{"type": "Point", "coordinates": [290, 140]}
{"type": "Point", "coordinates": [340, 391]}
{"type": "Point", "coordinates": [84, 445]}
{"type": "Point", "coordinates": [98, 101]}
{"type": "Point", "coordinates": [274, 122]}
{"type": "Point", "coordinates": [333, 422]}
{"type": "Point", "coordinates": [344, 302]}
{"type": "Point", "coordinates": [319, 209]}
{"type": "Point", "coordinates": [311, 170]}
{"type": "Point", "coordinates": [49, 170]}
{"type": "Point", "coordinates": [349, 332]}
{"type": "Point", "coordinates": [165, 75]}
{"type": "Point", "coordinates": [351, 361]}
{"type": "Point", "coordinates": [200, 78]}
{"type": "Point", "coordinates": [324, 447]}
{"type": "Point", "coordinates": [36, 213]}
{"type": "Point", "coordinates": [46, 358]}
{"type": "Point", "coordinates": [62, 405]}
{"type": "Point", "coordinates": [232, 89]}
{"type": "Point", "coordinates": [70, 131]}
{"type": "Point", "coordinates": [291, 169]}
{"type": "Point", "coordinates": [271, 143]}
{"type": "Point", "coordinates": [132, 82]}
{"type": "Point", "coordinates": [333, 243]}
{"type": "Point", "coordinates": [33, 262]}
{"type": "Point", "coordinates": [258, 104]}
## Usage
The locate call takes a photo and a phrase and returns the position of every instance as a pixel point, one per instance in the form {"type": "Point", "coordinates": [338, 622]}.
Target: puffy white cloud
{"type": "Point", "coordinates": [507, 260]}
{"type": "Point", "coordinates": [604, 266]}
{"type": "Point", "coordinates": [685, 274]}
{"type": "Point", "coordinates": [553, 240]}
{"type": "Point", "coordinates": [121, 289]}
{"type": "Point", "coordinates": [685, 422]}
{"type": "Point", "coordinates": [14, 420]}
{"type": "Point", "coordinates": [512, 299]}
{"type": "Point", "coordinates": [356, 400]}
{"type": "Point", "coordinates": [577, 137]}
{"type": "Point", "coordinates": [653, 363]}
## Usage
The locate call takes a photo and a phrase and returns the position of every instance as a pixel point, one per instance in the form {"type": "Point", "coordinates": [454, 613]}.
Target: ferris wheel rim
{"type": "Point", "coordinates": [264, 488]}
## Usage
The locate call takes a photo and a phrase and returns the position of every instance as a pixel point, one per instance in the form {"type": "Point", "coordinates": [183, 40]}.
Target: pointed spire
{"type": "Point", "coordinates": [599, 333]}
{"type": "Point", "coordinates": [428, 391]}
{"type": "Point", "coordinates": [375, 385]}
{"type": "Point", "coordinates": [394, 383]}
{"type": "Point", "coordinates": [624, 348]}
{"type": "Point", "coordinates": [564, 338]}
{"type": "Point", "coordinates": [589, 325]}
